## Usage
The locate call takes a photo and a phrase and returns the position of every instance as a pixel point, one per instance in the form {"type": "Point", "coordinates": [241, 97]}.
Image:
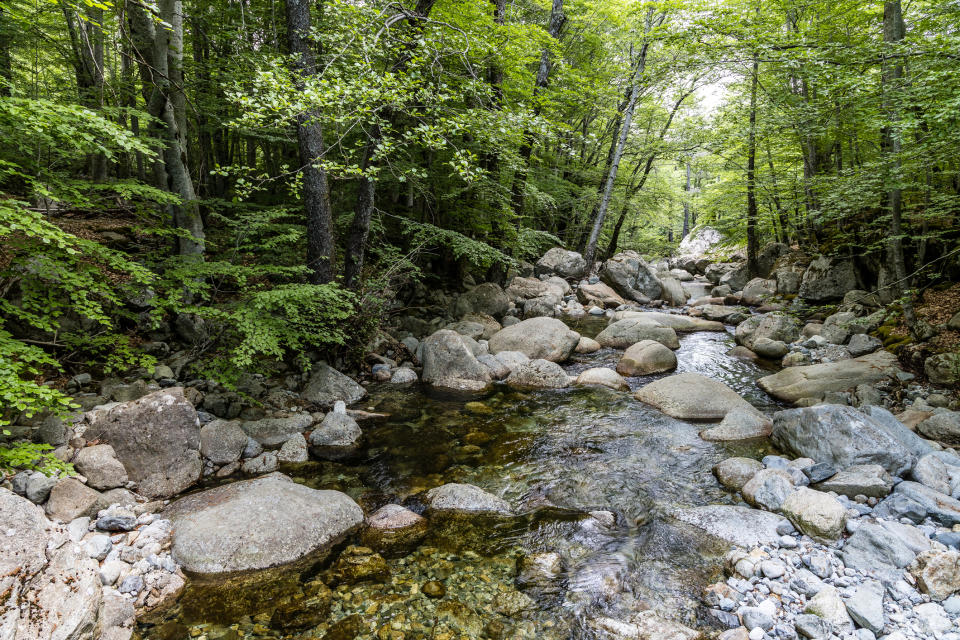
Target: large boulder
{"type": "Point", "coordinates": [222, 441]}
{"type": "Point", "coordinates": [828, 279]}
{"type": "Point", "coordinates": [673, 292]}
{"type": "Point", "coordinates": [448, 362]}
{"type": "Point", "coordinates": [327, 385]}
{"type": "Point", "coordinates": [156, 438]}
{"type": "Point", "coordinates": [529, 288]}
{"type": "Point", "coordinates": [883, 546]}
{"type": "Point", "coordinates": [813, 381]}
{"type": "Point", "coordinates": [775, 326]}
{"type": "Point", "coordinates": [737, 525]}
{"type": "Point", "coordinates": [544, 338]}
{"type": "Point", "coordinates": [698, 242]}
{"type": "Point", "coordinates": [736, 278]}
{"type": "Point", "coordinates": [844, 437]}
{"type": "Point", "coordinates": [677, 322]}
{"type": "Point", "coordinates": [646, 357]}
{"type": "Point", "coordinates": [599, 294]}
{"type": "Point", "coordinates": [623, 333]}
{"type": "Point", "coordinates": [538, 374]}
{"type": "Point", "coordinates": [756, 292]}
{"type": "Point", "coordinates": [487, 298]}
{"type": "Point", "coordinates": [943, 426]}
{"type": "Point", "coordinates": [563, 263]}
{"type": "Point", "coordinates": [768, 255]}
{"type": "Point", "coordinates": [691, 396]}
{"type": "Point", "coordinates": [258, 524]}
{"type": "Point", "coordinates": [630, 276]}
{"type": "Point", "coordinates": [51, 588]}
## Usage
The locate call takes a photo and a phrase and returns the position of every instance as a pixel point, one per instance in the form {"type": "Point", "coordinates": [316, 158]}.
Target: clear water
{"type": "Point", "coordinates": [556, 456]}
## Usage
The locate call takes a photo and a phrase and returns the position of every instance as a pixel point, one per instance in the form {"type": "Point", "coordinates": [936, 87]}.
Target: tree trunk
{"type": "Point", "coordinates": [86, 45]}
{"type": "Point", "coordinates": [316, 190]}
{"type": "Point", "coordinates": [686, 204]}
{"type": "Point", "coordinates": [6, 61]}
{"type": "Point", "coordinates": [751, 173]}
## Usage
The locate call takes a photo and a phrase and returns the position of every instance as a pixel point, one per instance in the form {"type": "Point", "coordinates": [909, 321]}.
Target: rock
{"type": "Point", "coordinates": [252, 448]}
{"type": "Point", "coordinates": [828, 279]}
{"type": "Point", "coordinates": [865, 606]}
{"type": "Point", "coordinates": [538, 374]}
{"type": "Point", "coordinates": [932, 619]}
{"type": "Point", "coordinates": [563, 263]}
{"type": "Point", "coordinates": [819, 472]}
{"type": "Point", "coordinates": [844, 437]}
{"type": "Point", "coordinates": [587, 345]}
{"type": "Point", "coordinates": [677, 322]}
{"type": "Point", "coordinates": [403, 375]}
{"type": "Point", "coordinates": [338, 434]}
{"type": "Point", "coordinates": [623, 333]}
{"type": "Point", "coordinates": [472, 330]}
{"type": "Point", "coordinates": [817, 514]}
{"type": "Point", "coordinates": [511, 359]}
{"type": "Point", "coordinates": [537, 338]}
{"type": "Point", "coordinates": [691, 396]}
{"type": "Point", "coordinates": [630, 276]}
{"type": "Point", "coordinates": [681, 274]}
{"type": "Point", "coordinates": [937, 573]}
{"type": "Point", "coordinates": [70, 499]}
{"type": "Point", "coordinates": [736, 278]}
{"type": "Point", "coordinates": [599, 294]}
{"type": "Point", "coordinates": [768, 488]}
{"type": "Point", "coordinates": [488, 322]}
{"type": "Point", "coordinates": [116, 518]}
{"type": "Point", "coordinates": [754, 617]}
{"type": "Point", "coordinates": [944, 427]}
{"type": "Point", "coordinates": [673, 292]}
{"type": "Point", "coordinates": [156, 438]}
{"type": "Point", "coordinates": [869, 480]}
{"type": "Point", "coordinates": [327, 385]}
{"type": "Point", "coordinates": [294, 450]}
{"type": "Point", "coordinates": [722, 313]}
{"type": "Point", "coordinates": [828, 605]}
{"type": "Point", "coordinates": [838, 327]}
{"type": "Point", "coordinates": [737, 525]}
{"type": "Point", "coordinates": [813, 627]}
{"type": "Point", "coordinates": [943, 368]}
{"type": "Point", "coordinates": [449, 362]}
{"type": "Point", "coordinates": [39, 485]}
{"type": "Point", "coordinates": [770, 349]}
{"type": "Point", "coordinates": [487, 298]}
{"type": "Point", "coordinates": [882, 547]}
{"type": "Point", "coordinates": [359, 564]}
{"type": "Point", "coordinates": [733, 473]}
{"type": "Point", "coordinates": [433, 589]}
{"type": "Point", "coordinates": [51, 588]}
{"type": "Point", "coordinates": [646, 357]}
{"type": "Point", "coordinates": [641, 626]}
{"type": "Point", "coordinates": [271, 432]}
{"type": "Point", "coordinates": [465, 498]}
{"type": "Point", "coordinates": [788, 280]}
{"type": "Point", "coordinates": [258, 524]}
{"type": "Point", "coordinates": [758, 290]}
{"type": "Point", "coordinates": [916, 501]}
{"type": "Point", "coordinates": [98, 546]}
{"type": "Point", "coordinates": [603, 377]}
{"type": "Point", "coordinates": [264, 463]}
{"type": "Point", "coordinates": [498, 370]}
{"type": "Point", "coordinates": [100, 466]}
{"type": "Point", "coordinates": [739, 424]}
{"type": "Point", "coordinates": [394, 530]}
{"type": "Point", "coordinates": [861, 344]}
{"type": "Point", "coordinates": [222, 441]}
{"type": "Point", "coordinates": [774, 326]}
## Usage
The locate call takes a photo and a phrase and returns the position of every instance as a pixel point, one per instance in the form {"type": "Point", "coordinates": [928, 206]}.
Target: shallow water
{"type": "Point", "coordinates": [556, 456]}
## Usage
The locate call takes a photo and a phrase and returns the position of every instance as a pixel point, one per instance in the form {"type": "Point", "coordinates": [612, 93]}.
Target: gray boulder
{"type": "Point", "coordinates": [646, 357]}
{"type": "Point", "coordinates": [222, 441]}
{"type": "Point", "coordinates": [774, 326]}
{"type": "Point", "coordinates": [768, 255]}
{"type": "Point", "coordinates": [538, 374]}
{"type": "Point", "coordinates": [327, 385]}
{"type": "Point", "coordinates": [916, 501]}
{"type": "Point", "coordinates": [942, 426]}
{"type": "Point", "coordinates": [691, 396]}
{"type": "Point", "coordinates": [465, 498]}
{"type": "Point", "coordinates": [736, 278]}
{"type": "Point", "coordinates": [563, 263]}
{"type": "Point", "coordinates": [828, 279]}
{"type": "Point", "coordinates": [943, 368]}
{"type": "Point", "coordinates": [734, 473]}
{"type": "Point", "coordinates": [740, 424]}
{"type": "Point", "coordinates": [338, 434]}
{"type": "Point", "coordinates": [788, 280]}
{"type": "Point", "coordinates": [861, 344]}
{"type": "Point", "coordinates": [630, 276]}
{"type": "Point", "coordinates": [537, 338]}
{"type": "Point", "coordinates": [487, 298]}
{"type": "Point", "coordinates": [673, 292]}
{"type": "Point", "coordinates": [838, 327]}
{"type": "Point", "coordinates": [815, 380]}
{"type": "Point", "coordinates": [737, 525]}
{"type": "Point", "coordinates": [294, 450]}
{"type": "Point", "coordinates": [258, 524]}
{"type": "Point", "coordinates": [768, 489]}
{"type": "Point", "coordinates": [869, 480]}
{"type": "Point", "coordinates": [624, 333]}
{"type": "Point", "coordinates": [71, 499]}
{"type": "Point", "coordinates": [757, 291]}
{"type": "Point", "coordinates": [100, 466]}
{"type": "Point", "coordinates": [271, 432]}
{"type": "Point", "coordinates": [677, 322]}
{"type": "Point", "coordinates": [156, 438]}
{"type": "Point", "coordinates": [449, 362]}
{"type": "Point", "coordinates": [883, 547]}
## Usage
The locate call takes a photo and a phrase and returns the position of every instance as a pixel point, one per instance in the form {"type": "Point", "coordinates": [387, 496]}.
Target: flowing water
{"type": "Point", "coordinates": [557, 457]}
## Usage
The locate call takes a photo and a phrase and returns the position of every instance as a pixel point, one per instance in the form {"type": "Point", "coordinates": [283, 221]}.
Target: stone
{"type": "Point", "coordinates": [943, 368]}
{"type": "Point", "coordinates": [770, 349]}
{"type": "Point", "coordinates": [271, 432]}
{"type": "Point", "coordinates": [156, 438]}
{"type": "Point", "coordinates": [465, 498]}
{"type": "Point", "coordinates": [870, 480]}
{"type": "Point", "coordinates": [828, 278]}
{"type": "Point", "coordinates": [264, 463]}
{"type": "Point", "coordinates": [70, 499]}
{"type": "Point", "coordinates": [736, 278]}
{"type": "Point", "coordinates": [813, 627]}
{"type": "Point", "coordinates": [734, 473]}
{"type": "Point", "coordinates": [433, 589]}
{"type": "Point", "coordinates": [393, 530]}
{"type": "Point", "coordinates": [646, 357]}
{"type": "Point", "coordinates": [498, 370]}
{"type": "Point", "coordinates": [487, 298]}
{"type": "Point", "coordinates": [487, 321]}
{"type": "Point", "coordinates": [359, 564]}
{"type": "Point", "coordinates": [222, 441]}
{"type": "Point", "coordinates": [942, 426]}
{"type": "Point", "coordinates": [722, 313]}
{"type": "Point", "coordinates": [403, 375]}
{"type": "Point", "coordinates": [630, 276]}
{"type": "Point", "coordinates": [935, 469]}
{"type": "Point", "coordinates": [828, 605]}
{"type": "Point", "coordinates": [932, 619]}
{"type": "Point", "coordinates": [560, 262]}
{"type": "Point", "coordinates": [450, 363]}
{"type": "Point", "coordinates": [51, 588]}
{"type": "Point", "coordinates": [599, 294]}
{"type": "Point", "coordinates": [252, 448]}
{"type": "Point", "coordinates": [817, 514]}
{"type": "Point", "coordinates": [937, 506]}
{"type": "Point", "coordinates": [691, 396]}
{"type": "Point", "coordinates": [937, 573]}
{"type": "Point", "coordinates": [641, 626]}
{"type": "Point", "coordinates": [844, 437]}
{"type": "Point", "coordinates": [755, 617]}
{"type": "Point", "coordinates": [773, 326]}
{"type": "Point", "coordinates": [327, 385]}
{"type": "Point", "coordinates": [739, 424]}
{"type": "Point", "coordinates": [98, 546]}
{"type": "Point", "coordinates": [472, 330]}
{"type": "Point", "coordinates": [100, 466]}
{"type": "Point", "coordinates": [673, 292]}
{"type": "Point", "coordinates": [629, 331]}
{"type": "Point", "coordinates": [768, 489]}
{"type": "Point", "coordinates": [39, 486]}
{"type": "Point", "coordinates": [338, 434]}
{"type": "Point", "coordinates": [602, 376]}
{"type": "Point", "coordinates": [538, 374]}
{"type": "Point", "coordinates": [258, 524]}
{"type": "Point", "coordinates": [587, 345]}
{"type": "Point", "coordinates": [537, 338]}
{"type": "Point", "coordinates": [861, 344]}
{"type": "Point", "coordinates": [294, 450]}
{"type": "Point", "coordinates": [756, 291]}
{"type": "Point", "coordinates": [819, 472]}
{"type": "Point", "coordinates": [737, 525]}
{"type": "Point", "coordinates": [865, 606]}
{"type": "Point", "coordinates": [838, 327]}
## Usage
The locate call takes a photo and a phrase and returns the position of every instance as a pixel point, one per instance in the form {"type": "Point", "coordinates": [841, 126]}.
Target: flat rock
{"type": "Point", "coordinates": [813, 381]}
{"type": "Point", "coordinates": [737, 525]}
{"type": "Point", "coordinates": [466, 498]}
{"type": "Point", "coordinates": [768, 489]}
{"type": "Point", "coordinates": [691, 396]}
{"type": "Point", "coordinates": [870, 480]}
{"type": "Point", "coordinates": [882, 547]}
{"type": "Point", "coordinates": [677, 322]}
{"type": "Point", "coordinates": [258, 524]}
{"type": "Point", "coordinates": [865, 606]}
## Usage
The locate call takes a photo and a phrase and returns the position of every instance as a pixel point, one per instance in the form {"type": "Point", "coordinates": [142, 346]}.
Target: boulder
{"type": "Point", "coordinates": [271, 432]}
{"type": "Point", "coordinates": [537, 338]}
{"type": "Point", "coordinates": [538, 374]}
{"type": "Point", "coordinates": [403, 375]}
{"type": "Point", "coordinates": [604, 377]}
{"type": "Point", "coordinates": [837, 328]}
{"type": "Point", "coordinates": [156, 438]}
{"type": "Point", "coordinates": [511, 359]}
{"type": "Point", "coordinates": [828, 605]}
{"type": "Point", "coordinates": [630, 276]}
{"type": "Point", "coordinates": [788, 280]}
{"type": "Point", "coordinates": [734, 473]}
{"type": "Point", "coordinates": [756, 291]}
{"type": "Point", "coordinates": [922, 502]}
{"type": "Point", "coordinates": [740, 424]}
{"type": "Point", "coordinates": [563, 263]}
{"type": "Point", "coordinates": [723, 313]}
{"type": "Point", "coordinates": [338, 434]}
{"type": "Point", "coordinates": [817, 514]}
{"type": "Point", "coordinates": [883, 547]}
{"type": "Point", "coordinates": [691, 396]}
{"type": "Point", "coordinates": [294, 450]}
{"type": "Point", "coordinates": [828, 279]}
{"type": "Point", "coordinates": [449, 363]}
{"type": "Point", "coordinates": [528, 288]}
{"type": "Point", "coordinates": [673, 292]}
{"type": "Point", "coordinates": [843, 437]}
{"type": "Point", "coordinates": [775, 326]}
{"type": "Point", "coordinates": [587, 345]}
{"type": "Point", "coordinates": [861, 344]}
{"type": "Point", "coordinates": [646, 357]}
{"type": "Point", "coordinates": [393, 530]}
{"type": "Point", "coordinates": [258, 524]}
{"type": "Point", "coordinates": [736, 278]}
{"type": "Point", "coordinates": [623, 333]}
{"type": "Point", "coordinates": [768, 489]}
{"type": "Point", "coordinates": [813, 381]}
{"type": "Point", "coordinates": [489, 324]}
{"type": "Point", "coordinates": [943, 368]}
{"type": "Point", "coordinates": [677, 322]}
{"type": "Point", "coordinates": [737, 525]}
{"type": "Point", "coordinates": [222, 441]}
{"type": "Point", "coordinates": [599, 294]}
{"type": "Point", "coordinates": [100, 466]}
{"type": "Point", "coordinates": [327, 385]}
{"type": "Point", "coordinates": [942, 426]}
{"type": "Point", "coordinates": [869, 480]}
{"type": "Point", "coordinates": [51, 588]}
{"type": "Point", "coordinates": [768, 255]}
{"type": "Point", "coordinates": [487, 298]}
{"type": "Point", "coordinates": [498, 370]}
{"type": "Point", "coordinates": [465, 498]}
{"type": "Point", "coordinates": [71, 499]}
{"type": "Point", "coordinates": [937, 573]}
{"type": "Point", "coordinates": [770, 349]}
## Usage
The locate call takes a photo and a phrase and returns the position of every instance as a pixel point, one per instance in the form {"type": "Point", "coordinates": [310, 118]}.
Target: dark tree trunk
{"type": "Point", "coordinates": [752, 174]}
{"type": "Point", "coordinates": [6, 61]}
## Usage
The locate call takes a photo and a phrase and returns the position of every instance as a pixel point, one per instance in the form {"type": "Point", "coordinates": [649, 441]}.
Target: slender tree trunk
{"type": "Point", "coordinates": [495, 78]}
{"type": "Point", "coordinates": [316, 190]}
{"type": "Point", "coordinates": [686, 204]}
{"type": "Point", "coordinates": [751, 173]}
{"type": "Point", "coordinates": [86, 44]}
{"type": "Point", "coordinates": [6, 61]}
{"type": "Point", "coordinates": [781, 214]}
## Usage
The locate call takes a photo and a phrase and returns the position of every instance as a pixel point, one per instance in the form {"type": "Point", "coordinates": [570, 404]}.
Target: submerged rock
{"type": "Point", "coordinates": [465, 498]}
{"type": "Point", "coordinates": [393, 529]}
{"type": "Point", "coordinates": [691, 396]}
{"type": "Point", "coordinates": [738, 525]}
